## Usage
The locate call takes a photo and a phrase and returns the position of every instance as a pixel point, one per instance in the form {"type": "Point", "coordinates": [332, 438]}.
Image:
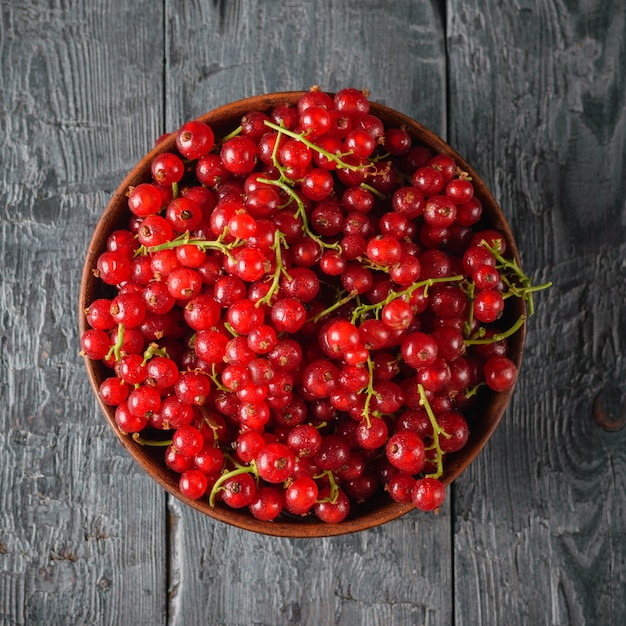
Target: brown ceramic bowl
{"type": "Point", "coordinates": [373, 513]}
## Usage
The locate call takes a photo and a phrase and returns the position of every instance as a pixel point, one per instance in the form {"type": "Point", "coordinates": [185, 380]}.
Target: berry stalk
{"type": "Point", "coordinates": [437, 433]}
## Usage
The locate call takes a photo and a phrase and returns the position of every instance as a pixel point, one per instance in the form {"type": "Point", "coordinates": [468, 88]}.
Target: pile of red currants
{"type": "Point", "coordinates": [302, 312]}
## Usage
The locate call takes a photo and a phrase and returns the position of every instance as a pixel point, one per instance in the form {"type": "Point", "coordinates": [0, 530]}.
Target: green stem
{"type": "Point", "coordinates": [469, 292]}
{"type": "Point", "coordinates": [365, 262]}
{"type": "Point", "coordinates": [333, 307]}
{"type": "Point", "coordinates": [369, 392]}
{"type": "Point", "coordinates": [472, 391]}
{"type": "Point", "coordinates": [276, 162]}
{"type": "Point", "coordinates": [153, 350]}
{"type": "Point", "coordinates": [155, 443]}
{"type": "Point", "coordinates": [277, 246]}
{"type": "Point", "coordinates": [527, 289]}
{"type": "Point", "coordinates": [115, 350]}
{"type": "Point", "coordinates": [230, 329]}
{"type": "Point", "coordinates": [363, 309]}
{"type": "Point", "coordinates": [186, 239]}
{"type": "Point", "coordinates": [309, 144]}
{"type": "Point", "coordinates": [241, 469]}
{"type": "Point", "coordinates": [216, 381]}
{"type": "Point", "coordinates": [234, 133]}
{"type": "Point", "coordinates": [525, 292]}
{"type": "Point", "coordinates": [334, 489]}
{"type": "Point", "coordinates": [371, 189]}
{"type": "Point", "coordinates": [437, 432]}
{"type": "Point", "coordinates": [300, 212]}
{"type": "Point", "coordinates": [209, 423]}
{"type": "Point", "coordinates": [479, 339]}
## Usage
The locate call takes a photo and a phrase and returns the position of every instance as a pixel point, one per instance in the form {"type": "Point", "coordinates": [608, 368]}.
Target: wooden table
{"type": "Point", "coordinates": [533, 94]}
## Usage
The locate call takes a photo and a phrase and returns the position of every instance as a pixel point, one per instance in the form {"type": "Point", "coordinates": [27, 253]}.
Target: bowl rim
{"type": "Point", "coordinates": [368, 516]}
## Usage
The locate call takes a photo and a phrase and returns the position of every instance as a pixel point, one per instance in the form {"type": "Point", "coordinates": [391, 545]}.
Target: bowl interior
{"type": "Point", "coordinates": [381, 509]}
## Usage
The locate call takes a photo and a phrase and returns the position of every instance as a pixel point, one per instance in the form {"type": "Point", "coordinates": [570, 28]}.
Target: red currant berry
{"type": "Point", "coordinates": [400, 487]}
{"type": "Point", "coordinates": [113, 267]}
{"type": "Point", "coordinates": [488, 305]}
{"type": "Point", "coordinates": [238, 491]}
{"type": "Point", "coordinates": [332, 510]}
{"type": "Point", "coordinates": [460, 190]}
{"type": "Point", "coordinates": [275, 463]}
{"type": "Point", "coordinates": [239, 154]}
{"type": "Point", "coordinates": [193, 484]}
{"type": "Point", "coordinates": [500, 373]}
{"type": "Point", "coordinates": [113, 391]}
{"type": "Point", "coordinates": [267, 503]}
{"type": "Point", "coordinates": [194, 139]}
{"type": "Point", "coordinates": [145, 199]}
{"type": "Point", "coordinates": [428, 494]}
{"type": "Point", "coordinates": [301, 495]}
{"type": "Point", "coordinates": [167, 168]}
{"type": "Point", "coordinates": [351, 101]}
{"type": "Point", "coordinates": [95, 344]}
{"type": "Point", "coordinates": [428, 181]}
{"type": "Point", "coordinates": [184, 214]}
{"type": "Point", "coordinates": [456, 431]}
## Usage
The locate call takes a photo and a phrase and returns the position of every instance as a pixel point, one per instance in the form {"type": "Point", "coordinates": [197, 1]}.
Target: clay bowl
{"type": "Point", "coordinates": [365, 516]}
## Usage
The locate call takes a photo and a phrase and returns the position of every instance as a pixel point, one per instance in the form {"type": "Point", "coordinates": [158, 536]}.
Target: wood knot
{"type": "Point", "coordinates": [609, 408]}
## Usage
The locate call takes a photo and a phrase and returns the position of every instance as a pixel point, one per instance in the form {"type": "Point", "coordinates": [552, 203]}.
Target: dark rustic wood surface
{"type": "Point", "coordinates": [533, 93]}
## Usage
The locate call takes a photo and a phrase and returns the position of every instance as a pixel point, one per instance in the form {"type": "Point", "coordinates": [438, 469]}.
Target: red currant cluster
{"type": "Point", "coordinates": [302, 311]}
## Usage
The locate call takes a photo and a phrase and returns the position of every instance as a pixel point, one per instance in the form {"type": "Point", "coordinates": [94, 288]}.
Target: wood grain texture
{"type": "Point", "coordinates": [533, 94]}
{"type": "Point", "coordinates": [397, 575]}
{"type": "Point", "coordinates": [79, 526]}
{"type": "Point", "coordinates": [221, 51]}
{"type": "Point", "coordinates": [538, 536]}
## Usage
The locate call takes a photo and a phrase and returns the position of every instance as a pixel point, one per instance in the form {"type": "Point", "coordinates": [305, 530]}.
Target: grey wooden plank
{"type": "Point", "coordinates": [224, 50]}
{"type": "Point", "coordinates": [537, 92]}
{"type": "Point", "coordinates": [82, 531]}
{"type": "Point", "coordinates": [219, 52]}
{"type": "Point", "coordinates": [393, 575]}
{"type": "Point", "coordinates": [539, 533]}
